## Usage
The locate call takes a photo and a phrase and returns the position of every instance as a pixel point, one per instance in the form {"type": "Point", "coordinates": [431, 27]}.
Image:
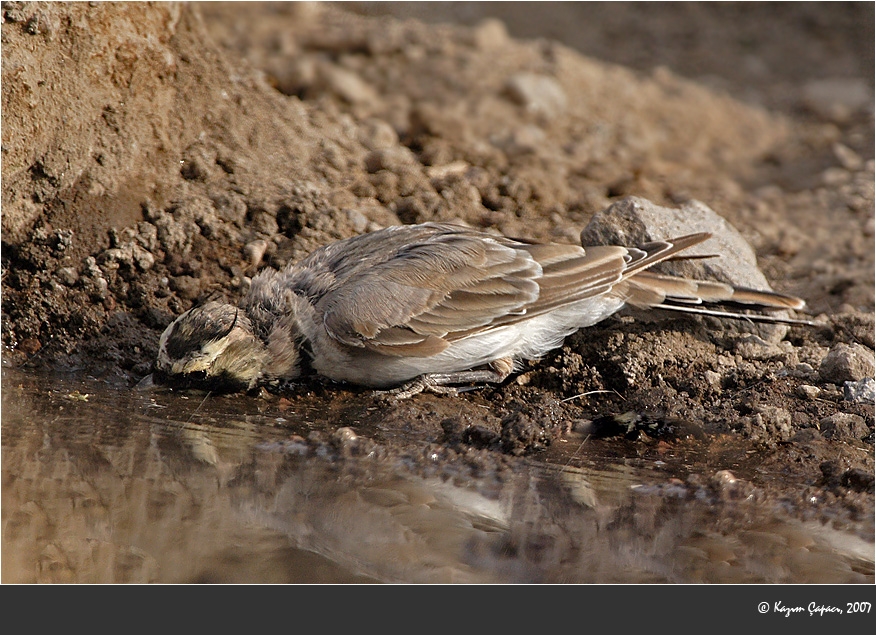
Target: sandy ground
{"type": "Point", "coordinates": [154, 156]}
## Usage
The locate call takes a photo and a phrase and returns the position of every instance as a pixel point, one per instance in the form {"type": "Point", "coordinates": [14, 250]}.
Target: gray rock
{"type": "Point", "coordinates": [714, 379]}
{"type": "Point", "coordinates": [92, 279]}
{"type": "Point", "coordinates": [174, 236]}
{"type": "Point", "coordinates": [861, 391]}
{"type": "Point", "coordinates": [847, 363]}
{"type": "Point", "coordinates": [147, 236]}
{"type": "Point", "coordinates": [844, 426]}
{"type": "Point", "coordinates": [632, 221]}
{"type": "Point", "coordinates": [802, 371]}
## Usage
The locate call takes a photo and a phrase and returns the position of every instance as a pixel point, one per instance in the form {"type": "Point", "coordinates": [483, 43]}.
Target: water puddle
{"type": "Point", "coordinates": [105, 484]}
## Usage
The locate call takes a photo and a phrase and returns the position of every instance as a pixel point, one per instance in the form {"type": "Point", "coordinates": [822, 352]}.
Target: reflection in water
{"type": "Point", "coordinates": [107, 485]}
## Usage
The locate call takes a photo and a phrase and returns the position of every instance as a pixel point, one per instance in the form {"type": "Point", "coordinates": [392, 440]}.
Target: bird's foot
{"type": "Point", "coordinates": [448, 383]}
{"type": "Point", "coordinates": [415, 387]}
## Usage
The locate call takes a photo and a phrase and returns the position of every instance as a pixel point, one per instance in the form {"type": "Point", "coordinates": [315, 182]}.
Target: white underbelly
{"type": "Point", "coordinates": [528, 339]}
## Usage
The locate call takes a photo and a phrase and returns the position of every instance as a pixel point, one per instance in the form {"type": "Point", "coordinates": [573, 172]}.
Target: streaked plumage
{"type": "Point", "coordinates": [429, 302]}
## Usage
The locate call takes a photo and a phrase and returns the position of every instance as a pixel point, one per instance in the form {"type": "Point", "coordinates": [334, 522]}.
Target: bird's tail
{"type": "Point", "coordinates": [646, 289]}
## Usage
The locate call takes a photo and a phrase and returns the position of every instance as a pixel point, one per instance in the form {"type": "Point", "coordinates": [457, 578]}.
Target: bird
{"type": "Point", "coordinates": [432, 306]}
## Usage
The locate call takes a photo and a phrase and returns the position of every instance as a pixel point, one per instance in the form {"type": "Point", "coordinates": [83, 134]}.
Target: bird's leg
{"type": "Point", "coordinates": [443, 383]}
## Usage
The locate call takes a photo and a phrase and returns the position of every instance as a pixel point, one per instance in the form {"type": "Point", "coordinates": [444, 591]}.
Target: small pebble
{"type": "Point", "coordinates": [376, 134]}
{"type": "Point", "coordinates": [861, 391]}
{"type": "Point", "coordinates": [255, 251]}
{"type": "Point", "coordinates": [847, 363]}
{"type": "Point", "coordinates": [538, 94]}
{"type": "Point", "coordinates": [67, 275]}
{"type": "Point", "coordinates": [847, 157]}
{"type": "Point", "coordinates": [358, 221]}
{"type": "Point", "coordinates": [490, 34]}
{"type": "Point", "coordinates": [714, 379]}
{"type": "Point", "coordinates": [393, 158]}
{"type": "Point", "coordinates": [346, 84]}
{"type": "Point", "coordinates": [725, 477]}
{"type": "Point", "coordinates": [808, 392]}
{"type": "Point", "coordinates": [754, 347]}
{"type": "Point", "coordinates": [844, 425]}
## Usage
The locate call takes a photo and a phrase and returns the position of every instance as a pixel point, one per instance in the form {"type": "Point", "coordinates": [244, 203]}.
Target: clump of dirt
{"type": "Point", "coordinates": [207, 142]}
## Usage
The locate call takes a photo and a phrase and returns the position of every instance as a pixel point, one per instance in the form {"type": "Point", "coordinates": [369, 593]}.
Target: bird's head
{"type": "Point", "coordinates": [211, 346]}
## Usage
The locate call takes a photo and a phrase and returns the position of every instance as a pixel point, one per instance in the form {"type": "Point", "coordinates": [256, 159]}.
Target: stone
{"type": "Point", "coordinates": [490, 34]}
{"type": "Point", "coordinates": [358, 221]}
{"type": "Point", "coordinates": [808, 392]}
{"type": "Point", "coordinates": [67, 275]}
{"type": "Point", "coordinates": [844, 426]}
{"type": "Point", "coordinates": [847, 157]}
{"type": "Point", "coordinates": [753, 347]}
{"type": "Point", "coordinates": [376, 134]}
{"type": "Point", "coordinates": [393, 158]}
{"type": "Point", "coordinates": [255, 251]}
{"type": "Point", "coordinates": [346, 84]}
{"type": "Point", "coordinates": [837, 98]}
{"type": "Point", "coordinates": [539, 94]}
{"type": "Point", "coordinates": [861, 391]}
{"type": "Point", "coordinates": [633, 221]}
{"type": "Point", "coordinates": [846, 362]}
{"type": "Point", "coordinates": [777, 420]}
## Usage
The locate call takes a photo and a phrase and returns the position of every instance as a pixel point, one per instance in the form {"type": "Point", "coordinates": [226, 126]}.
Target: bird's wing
{"type": "Point", "coordinates": [458, 282]}
{"type": "Point", "coordinates": [571, 273]}
{"type": "Point", "coordinates": [409, 304]}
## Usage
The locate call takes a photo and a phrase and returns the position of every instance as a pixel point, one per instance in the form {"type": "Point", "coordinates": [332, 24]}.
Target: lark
{"type": "Point", "coordinates": [433, 306]}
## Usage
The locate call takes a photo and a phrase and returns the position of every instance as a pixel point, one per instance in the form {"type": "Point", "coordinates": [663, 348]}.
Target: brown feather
{"type": "Point", "coordinates": [451, 282]}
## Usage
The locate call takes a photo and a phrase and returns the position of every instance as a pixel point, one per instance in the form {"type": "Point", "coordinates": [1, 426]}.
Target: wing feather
{"type": "Point", "coordinates": [438, 283]}
{"type": "Point", "coordinates": [451, 280]}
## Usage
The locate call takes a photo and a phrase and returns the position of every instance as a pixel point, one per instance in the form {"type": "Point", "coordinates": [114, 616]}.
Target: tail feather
{"type": "Point", "coordinates": [659, 251]}
{"type": "Point", "coordinates": [652, 290]}
{"type": "Point", "coordinates": [753, 317]}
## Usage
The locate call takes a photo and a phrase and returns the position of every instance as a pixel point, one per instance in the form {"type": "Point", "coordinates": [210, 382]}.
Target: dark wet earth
{"type": "Point", "coordinates": [102, 483]}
